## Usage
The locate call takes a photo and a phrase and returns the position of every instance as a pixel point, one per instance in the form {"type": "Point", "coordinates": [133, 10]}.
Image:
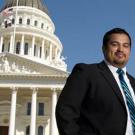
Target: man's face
{"type": "Point", "coordinates": [118, 50]}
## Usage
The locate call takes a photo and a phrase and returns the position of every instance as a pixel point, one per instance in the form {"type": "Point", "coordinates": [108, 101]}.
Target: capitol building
{"type": "Point", "coordinates": [32, 69]}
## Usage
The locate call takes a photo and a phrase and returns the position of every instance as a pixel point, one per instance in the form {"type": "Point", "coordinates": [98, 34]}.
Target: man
{"type": "Point", "coordinates": [95, 99]}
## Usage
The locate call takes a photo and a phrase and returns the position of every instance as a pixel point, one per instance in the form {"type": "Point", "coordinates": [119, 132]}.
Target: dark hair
{"type": "Point", "coordinates": [107, 35]}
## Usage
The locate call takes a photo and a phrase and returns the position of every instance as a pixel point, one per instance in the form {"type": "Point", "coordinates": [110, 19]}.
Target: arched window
{"type": "Point", "coordinates": [3, 46]}
{"type": "Point", "coordinates": [26, 47]}
{"type": "Point", "coordinates": [27, 130]}
{"type": "Point", "coordinates": [34, 50]}
{"type": "Point", "coordinates": [20, 20]}
{"type": "Point", "coordinates": [8, 47]}
{"type": "Point", "coordinates": [40, 52]}
{"type": "Point", "coordinates": [42, 25]}
{"type": "Point", "coordinates": [41, 109]}
{"type": "Point", "coordinates": [46, 54]}
{"type": "Point", "coordinates": [28, 21]}
{"type": "Point", "coordinates": [18, 48]}
{"type": "Point", "coordinates": [29, 108]}
{"type": "Point", "coordinates": [13, 21]}
{"type": "Point", "coordinates": [35, 23]}
{"type": "Point", "coordinates": [6, 24]}
{"type": "Point", "coordinates": [40, 130]}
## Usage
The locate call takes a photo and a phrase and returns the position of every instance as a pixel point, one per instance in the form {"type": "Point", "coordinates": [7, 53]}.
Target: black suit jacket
{"type": "Point", "coordinates": [91, 102]}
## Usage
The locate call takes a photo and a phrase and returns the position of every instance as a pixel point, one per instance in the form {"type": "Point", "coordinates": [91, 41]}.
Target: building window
{"type": "Point", "coordinates": [13, 21]}
{"type": "Point", "coordinates": [28, 21]}
{"type": "Point", "coordinates": [27, 130]}
{"type": "Point", "coordinates": [8, 47]}
{"type": "Point", "coordinates": [40, 51]}
{"type": "Point", "coordinates": [20, 20]}
{"type": "Point", "coordinates": [6, 25]}
{"type": "Point", "coordinates": [18, 48]}
{"type": "Point", "coordinates": [3, 46]}
{"type": "Point", "coordinates": [40, 130]}
{"type": "Point", "coordinates": [42, 25]}
{"type": "Point", "coordinates": [26, 47]}
{"type": "Point", "coordinates": [46, 54]}
{"type": "Point", "coordinates": [29, 108]}
{"type": "Point", "coordinates": [34, 50]}
{"type": "Point", "coordinates": [41, 109]}
{"type": "Point", "coordinates": [35, 23]}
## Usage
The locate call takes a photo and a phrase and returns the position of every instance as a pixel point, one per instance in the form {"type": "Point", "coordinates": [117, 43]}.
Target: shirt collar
{"type": "Point", "coordinates": [112, 68]}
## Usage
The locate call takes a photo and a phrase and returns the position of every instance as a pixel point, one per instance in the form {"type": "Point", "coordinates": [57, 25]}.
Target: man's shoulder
{"type": "Point", "coordinates": [87, 70]}
{"type": "Point", "coordinates": [85, 66]}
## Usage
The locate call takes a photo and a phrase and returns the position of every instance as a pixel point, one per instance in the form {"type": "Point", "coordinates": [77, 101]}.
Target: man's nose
{"type": "Point", "coordinates": [120, 48]}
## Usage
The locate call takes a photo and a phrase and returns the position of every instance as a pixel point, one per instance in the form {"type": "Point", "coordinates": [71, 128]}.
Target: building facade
{"type": "Point", "coordinates": [32, 70]}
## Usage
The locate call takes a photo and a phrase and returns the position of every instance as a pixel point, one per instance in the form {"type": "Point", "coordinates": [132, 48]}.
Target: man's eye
{"type": "Point", "coordinates": [114, 44]}
{"type": "Point", "coordinates": [126, 45]}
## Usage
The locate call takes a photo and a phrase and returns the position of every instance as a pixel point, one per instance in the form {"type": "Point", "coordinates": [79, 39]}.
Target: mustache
{"type": "Point", "coordinates": [120, 52]}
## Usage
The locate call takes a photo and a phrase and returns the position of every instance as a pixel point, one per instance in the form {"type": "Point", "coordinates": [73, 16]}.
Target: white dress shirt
{"type": "Point", "coordinates": [113, 69]}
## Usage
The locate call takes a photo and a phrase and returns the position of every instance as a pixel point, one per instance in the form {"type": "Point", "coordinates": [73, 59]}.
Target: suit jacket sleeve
{"type": "Point", "coordinates": [70, 100]}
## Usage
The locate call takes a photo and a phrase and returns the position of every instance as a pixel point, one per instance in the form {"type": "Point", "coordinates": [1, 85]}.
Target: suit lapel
{"type": "Point", "coordinates": [107, 74]}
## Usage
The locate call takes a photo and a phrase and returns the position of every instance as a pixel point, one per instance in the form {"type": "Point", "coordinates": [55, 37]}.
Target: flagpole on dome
{"type": "Point", "coordinates": [16, 13]}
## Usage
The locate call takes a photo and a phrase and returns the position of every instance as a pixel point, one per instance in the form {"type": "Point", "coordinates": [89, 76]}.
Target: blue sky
{"type": "Point", "coordinates": [81, 24]}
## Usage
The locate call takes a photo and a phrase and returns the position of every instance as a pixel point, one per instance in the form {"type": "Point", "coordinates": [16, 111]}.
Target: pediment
{"type": "Point", "coordinates": [15, 64]}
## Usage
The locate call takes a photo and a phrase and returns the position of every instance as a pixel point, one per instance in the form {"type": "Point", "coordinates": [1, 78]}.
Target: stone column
{"type": "Point", "coordinates": [33, 112]}
{"type": "Point", "coordinates": [1, 43]}
{"type": "Point", "coordinates": [53, 128]}
{"type": "Point", "coordinates": [50, 53]}
{"type": "Point", "coordinates": [22, 45]}
{"type": "Point", "coordinates": [43, 49]}
{"type": "Point", "coordinates": [13, 112]}
{"type": "Point", "coordinates": [11, 49]}
{"type": "Point", "coordinates": [58, 54]}
{"type": "Point", "coordinates": [32, 48]}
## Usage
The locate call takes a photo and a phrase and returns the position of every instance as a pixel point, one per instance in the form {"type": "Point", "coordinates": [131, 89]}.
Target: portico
{"type": "Point", "coordinates": [15, 96]}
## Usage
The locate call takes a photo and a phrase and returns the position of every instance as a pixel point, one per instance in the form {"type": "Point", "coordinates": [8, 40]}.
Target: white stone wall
{"type": "Point", "coordinates": [22, 119]}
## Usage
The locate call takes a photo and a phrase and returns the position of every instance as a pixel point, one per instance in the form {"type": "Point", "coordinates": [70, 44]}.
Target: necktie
{"type": "Point", "coordinates": [129, 99]}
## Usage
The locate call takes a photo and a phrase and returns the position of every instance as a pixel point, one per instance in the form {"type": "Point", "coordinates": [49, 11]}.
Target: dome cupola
{"type": "Point", "coordinates": [27, 31]}
{"type": "Point", "coordinates": [39, 4]}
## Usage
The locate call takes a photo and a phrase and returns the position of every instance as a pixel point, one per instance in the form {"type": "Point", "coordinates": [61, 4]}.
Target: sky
{"type": "Point", "coordinates": [81, 25]}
